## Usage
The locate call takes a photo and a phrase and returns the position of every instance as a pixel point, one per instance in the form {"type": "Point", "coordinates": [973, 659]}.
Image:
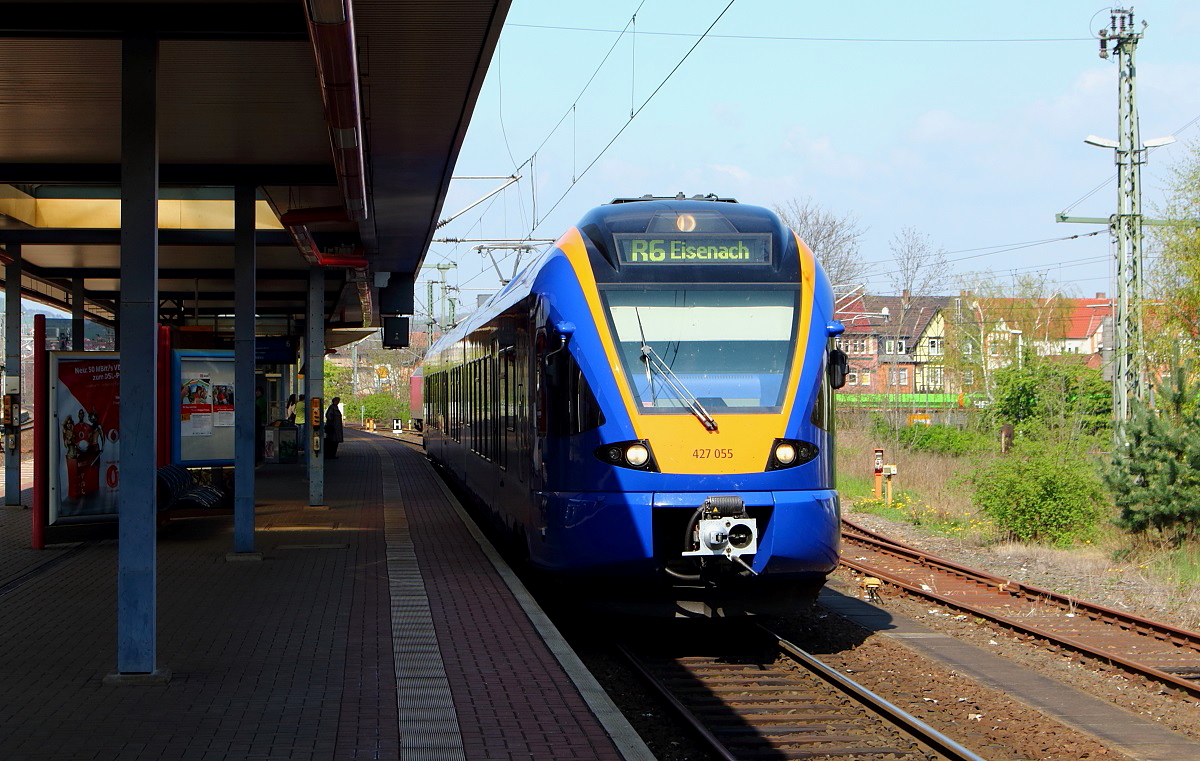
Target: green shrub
{"type": "Point", "coordinates": [382, 406]}
{"type": "Point", "coordinates": [943, 439]}
{"type": "Point", "coordinates": [1155, 478]}
{"type": "Point", "coordinates": [1041, 493]}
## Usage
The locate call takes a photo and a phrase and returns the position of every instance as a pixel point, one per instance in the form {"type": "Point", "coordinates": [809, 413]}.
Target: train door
{"type": "Point", "coordinates": [540, 408]}
{"type": "Point", "coordinates": [521, 434]}
{"type": "Point", "coordinates": [504, 388]}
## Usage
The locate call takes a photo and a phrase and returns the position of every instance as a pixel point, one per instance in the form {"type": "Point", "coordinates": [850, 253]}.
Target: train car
{"type": "Point", "coordinates": [651, 401]}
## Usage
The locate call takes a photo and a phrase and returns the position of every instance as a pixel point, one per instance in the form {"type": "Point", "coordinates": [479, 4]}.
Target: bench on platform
{"type": "Point", "coordinates": [180, 495]}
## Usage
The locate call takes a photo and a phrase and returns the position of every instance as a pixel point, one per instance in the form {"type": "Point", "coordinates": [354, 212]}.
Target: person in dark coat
{"type": "Point", "coordinates": [333, 428]}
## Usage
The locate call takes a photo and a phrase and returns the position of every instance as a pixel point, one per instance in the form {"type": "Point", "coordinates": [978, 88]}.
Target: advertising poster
{"type": "Point", "coordinates": [223, 405]}
{"type": "Point", "coordinates": [202, 418]}
{"type": "Point", "coordinates": [195, 407]}
{"type": "Point", "coordinates": [84, 441]}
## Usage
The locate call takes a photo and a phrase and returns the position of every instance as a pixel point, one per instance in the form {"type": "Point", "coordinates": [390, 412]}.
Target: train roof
{"type": "Point", "coordinates": [676, 197]}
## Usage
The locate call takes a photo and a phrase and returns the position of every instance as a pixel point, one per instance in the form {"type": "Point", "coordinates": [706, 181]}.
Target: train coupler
{"type": "Point", "coordinates": [721, 528]}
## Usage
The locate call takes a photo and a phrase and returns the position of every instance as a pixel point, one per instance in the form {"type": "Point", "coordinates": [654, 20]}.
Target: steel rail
{"type": "Point", "coordinates": [909, 726]}
{"type": "Point", "coordinates": [896, 715]}
{"type": "Point", "coordinates": [682, 710]}
{"type": "Point", "coordinates": [1180, 638]}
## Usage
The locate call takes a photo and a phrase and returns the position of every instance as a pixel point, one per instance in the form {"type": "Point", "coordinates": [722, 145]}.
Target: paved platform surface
{"type": "Point", "coordinates": [375, 627]}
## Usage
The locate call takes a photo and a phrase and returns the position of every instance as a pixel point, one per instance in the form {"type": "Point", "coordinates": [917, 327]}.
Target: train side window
{"type": "Point", "coordinates": [821, 413]}
{"type": "Point", "coordinates": [571, 406]}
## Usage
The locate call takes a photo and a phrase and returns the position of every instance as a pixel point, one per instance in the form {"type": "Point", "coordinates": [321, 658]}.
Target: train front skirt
{"type": "Point", "coordinates": [665, 536]}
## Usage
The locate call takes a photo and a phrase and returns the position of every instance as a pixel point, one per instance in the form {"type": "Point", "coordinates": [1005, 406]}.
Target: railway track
{"type": "Point", "coordinates": [776, 701]}
{"type": "Point", "coordinates": [1155, 650]}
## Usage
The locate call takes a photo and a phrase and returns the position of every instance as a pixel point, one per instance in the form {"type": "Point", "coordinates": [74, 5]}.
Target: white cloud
{"type": "Point", "coordinates": [1090, 96]}
{"type": "Point", "coordinates": [739, 174]}
{"type": "Point", "coordinates": [819, 154]}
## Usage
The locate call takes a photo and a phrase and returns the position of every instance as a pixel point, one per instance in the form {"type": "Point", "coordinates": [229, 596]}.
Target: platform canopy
{"type": "Point", "coordinates": [347, 115]}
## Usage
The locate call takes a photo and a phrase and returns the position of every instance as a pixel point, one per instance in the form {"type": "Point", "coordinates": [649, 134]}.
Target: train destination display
{"type": "Point", "coordinates": [695, 249]}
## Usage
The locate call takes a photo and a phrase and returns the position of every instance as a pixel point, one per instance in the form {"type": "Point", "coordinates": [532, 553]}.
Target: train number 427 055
{"type": "Point", "coordinates": [716, 454]}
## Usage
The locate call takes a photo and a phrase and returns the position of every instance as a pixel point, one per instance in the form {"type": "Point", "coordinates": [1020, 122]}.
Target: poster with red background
{"type": "Point", "coordinates": [84, 441]}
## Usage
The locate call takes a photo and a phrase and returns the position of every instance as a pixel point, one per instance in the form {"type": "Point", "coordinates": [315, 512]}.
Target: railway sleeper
{"type": "Point", "coordinates": [743, 700]}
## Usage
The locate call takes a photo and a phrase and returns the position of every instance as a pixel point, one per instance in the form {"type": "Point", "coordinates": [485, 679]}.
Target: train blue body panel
{"type": "Point", "coordinates": [651, 399]}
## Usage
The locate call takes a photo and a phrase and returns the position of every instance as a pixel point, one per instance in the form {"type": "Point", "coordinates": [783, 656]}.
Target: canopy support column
{"type": "Point", "coordinates": [245, 436]}
{"type": "Point", "coordinates": [136, 553]}
{"type": "Point", "coordinates": [314, 384]}
{"type": "Point", "coordinates": [12, 373]}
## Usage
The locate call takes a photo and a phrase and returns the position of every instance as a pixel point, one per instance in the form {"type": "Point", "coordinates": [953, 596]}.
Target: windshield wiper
{"type": "Point", "coordinates": [655, 363]}
{"type": "Point", "coordinates": [645, 346]}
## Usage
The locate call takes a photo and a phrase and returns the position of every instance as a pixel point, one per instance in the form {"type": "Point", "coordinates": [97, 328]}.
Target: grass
{"type": "Point", "coordinates": [1179, 566]}
{"type": "Point", "coordinates": [911, 509]}
{"type": "Point", "coordinates": [927, 491]}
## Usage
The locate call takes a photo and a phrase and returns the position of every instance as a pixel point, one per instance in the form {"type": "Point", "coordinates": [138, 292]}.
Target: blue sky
{"type": "Point", "coordinates": [964, 121]}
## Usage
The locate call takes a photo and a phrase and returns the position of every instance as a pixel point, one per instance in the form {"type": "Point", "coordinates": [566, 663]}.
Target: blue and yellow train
{"type": "Point", "coordinates": [651, 400]}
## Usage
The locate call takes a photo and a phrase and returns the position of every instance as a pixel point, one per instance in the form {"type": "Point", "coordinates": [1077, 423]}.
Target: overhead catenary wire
{"type": "Point", "coordinates": [571, 111]}
{"type": "Point", "coordinates": [1000, 249]}
{"type": "Point", "coordinates": [577, 176]}
{"type": "Point", "coordinates": [791, 38]}
{"type": "Point", "coordinates": [586, 85]}
{"type": "Point", "coordinates": [640, 108]}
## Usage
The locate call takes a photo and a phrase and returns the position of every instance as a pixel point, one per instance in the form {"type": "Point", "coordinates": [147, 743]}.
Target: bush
{"type": "Point", "coordinates": [943, 439]}
{"type": "Point", "coordinates": [1041, 493]}
{"type": "Point", "coordinates": [383, 407]}
{"type": "Point", "coordinates": [1042, 396]}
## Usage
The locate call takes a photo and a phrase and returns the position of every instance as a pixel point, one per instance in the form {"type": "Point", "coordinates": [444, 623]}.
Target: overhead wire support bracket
{"type": "Point", "coordinates": [510, 180]}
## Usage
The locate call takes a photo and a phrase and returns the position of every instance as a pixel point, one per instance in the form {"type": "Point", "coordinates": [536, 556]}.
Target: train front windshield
{"type": "Point", "coordinates": [729, 349]}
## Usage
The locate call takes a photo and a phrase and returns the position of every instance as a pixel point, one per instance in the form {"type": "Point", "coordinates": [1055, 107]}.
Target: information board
{"type": "Point", "coordinates": [202, 423]}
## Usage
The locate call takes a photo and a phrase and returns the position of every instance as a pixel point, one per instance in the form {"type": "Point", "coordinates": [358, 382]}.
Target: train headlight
{"type": "Point", "coordinates": [637, 455]}
{"type": "Point", "coordinates": [788, 453]}
{"type": "Point", "coordinates": [628, 454]}
{"type": "Point", "coordinates": [785, 453]}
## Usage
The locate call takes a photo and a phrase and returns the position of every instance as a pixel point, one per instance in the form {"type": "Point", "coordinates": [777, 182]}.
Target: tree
{"type": "Point", "coordinates": [920, 267]}
{"type": "Point", "coordinates": [1176, 281]}
{"type": "Point", "coordinates": [918, 277]}
{"type": "Point", "coordinates": [1060, 400]}
{"type": "Point", "coordinates": [1155, 479]}
{"type": "Point", "coordinates": [337, 381]}
{"type": "Point", "coordinates": [834, 240]}
{"type": "Point", "coordinates": [991, 324]}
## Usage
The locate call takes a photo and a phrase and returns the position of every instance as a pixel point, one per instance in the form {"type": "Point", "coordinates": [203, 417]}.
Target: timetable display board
{"type": "Point", "coordinates": [202, 421]}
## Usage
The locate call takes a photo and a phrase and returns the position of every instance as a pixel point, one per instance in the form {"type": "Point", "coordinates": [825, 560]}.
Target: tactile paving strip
{"type": "Point", "coordinates": [429, 729]}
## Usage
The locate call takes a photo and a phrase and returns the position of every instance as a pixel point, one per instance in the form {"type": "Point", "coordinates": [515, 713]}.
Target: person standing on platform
{"type": "Point", "coordinates": [333, 428]}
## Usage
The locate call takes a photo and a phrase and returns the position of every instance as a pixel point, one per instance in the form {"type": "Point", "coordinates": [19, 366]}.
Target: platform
{"type": "Point", "coordinates": [377, 626]}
